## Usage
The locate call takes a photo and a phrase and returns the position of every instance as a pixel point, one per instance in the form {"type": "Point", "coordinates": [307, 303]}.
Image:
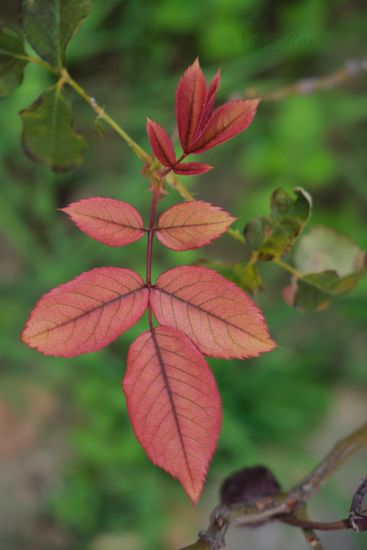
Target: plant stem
{"type": "Point", "coordinates": [316, 525]}
{"type": "Point", "coordinates": [156, 190]}
{"type": "Point", "coordinates": [139, 151]}
{"type": "Point", "coordinates": [288, 268]}
{"type": "Point", "coordinates": [334, 460]}
{"type": "Point", "coordinates": [151, 230]}
{"type": "Point", "coordinates": [289, 507]}
{"type": "Point", "coordinates": [34, 60]}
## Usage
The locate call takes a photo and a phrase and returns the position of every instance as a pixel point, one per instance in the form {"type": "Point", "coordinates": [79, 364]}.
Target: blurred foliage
{"type": "Point", "coordinates": [273, 236]}
{"type": "Point", "coordinates": [129, 54]}
{"type": "Point", "coordinates": [48, 134]}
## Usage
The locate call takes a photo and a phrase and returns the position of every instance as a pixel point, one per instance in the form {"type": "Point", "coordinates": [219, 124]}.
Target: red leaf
{"type": "Point", "coordinates": [86, 313]}
{"type": "Point", "coordinates": [190, 103]}
{"type": "Point", "coordinates": [210, 98]}
{"type": "Point", "coordinates": [191, 168]}
{"type": "Point", "coordinates": [173, 404]}
{"type": "Point", "coordinates": [109, 221]}
{"type": "Point", "coordinates": [193, 224]}
{"type": "Point", "coordinates": [226, 122]}
{"type": "Point", "coordinates": [217, 315]}
{"type": "Point", "coordinates": [161, 143]}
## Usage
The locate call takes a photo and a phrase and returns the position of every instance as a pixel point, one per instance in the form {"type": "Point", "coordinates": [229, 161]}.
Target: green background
{"type": "Point", "coordinates": [72, 475]}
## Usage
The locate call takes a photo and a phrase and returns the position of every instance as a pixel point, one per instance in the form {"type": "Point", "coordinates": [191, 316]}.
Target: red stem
{"type": "Point", "coordinates": [151, 230]}
{"type": "Point", "coordinates": [157, 186]}
{"type": "Point", "coordinates": [168, 170]}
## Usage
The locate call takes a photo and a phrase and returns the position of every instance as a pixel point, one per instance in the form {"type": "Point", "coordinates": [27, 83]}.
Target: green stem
{"type": "Point", "coordinates": [139, 151]}
{"type": "Point", "coordinates": [288, 268]}
{"type": "Point", "coordinates": [236, 235]}
{"type": "Point", "coordinates": [38, 61]}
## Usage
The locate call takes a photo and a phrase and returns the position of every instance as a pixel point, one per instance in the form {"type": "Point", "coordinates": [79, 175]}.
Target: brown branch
{"type": "Point", "coordinates": [334, 460]}
{"type": "Point", "coordinates": [309, 534]}
{"type": "Point", "coordinates": [307, 86]}
{"type": "Point", "coordinates": [288, 507]}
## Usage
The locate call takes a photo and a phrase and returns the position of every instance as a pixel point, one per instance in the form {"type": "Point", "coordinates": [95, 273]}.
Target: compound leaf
{"type": "Point", "coordinates": [86, 313]}
{"type": "Point", "coordinates": [174, 405]}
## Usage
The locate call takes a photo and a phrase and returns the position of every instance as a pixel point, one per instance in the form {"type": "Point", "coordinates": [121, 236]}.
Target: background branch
{"type": "Point", "coordinates": [290, 507]}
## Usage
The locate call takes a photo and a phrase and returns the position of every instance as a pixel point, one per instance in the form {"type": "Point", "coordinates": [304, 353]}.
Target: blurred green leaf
{"type": "Point", "coordinates": [324, 249]}
{"type": "Point", "coordinates": [11, 67]}
{"type": "Point", "coordinates": [332, 265]}
{"type": "Point", "coordinates": [48, 134]}
{"type": "Point", "coordinates": [244, 276]}
{"type": "Point", "coordinates": [50, 25]}
{"type": "Point", "coordinates": [316, 290]}
{"type": "Point", "coordinates": [274, 235]}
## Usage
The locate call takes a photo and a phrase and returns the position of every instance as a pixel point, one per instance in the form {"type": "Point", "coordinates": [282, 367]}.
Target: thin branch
{"type": "Point", "coordinates": [309, 534]}
{"type": "Point", "coordinates": [343, 450]}
{"type": "Point", "coordinates": [139, 151]}
{"type": "Point", "coordinates": [352, 69]}
{"type": "Point", "coordinates": [289, 507]}
{"type": "Point", "coordinates": [307, 86]}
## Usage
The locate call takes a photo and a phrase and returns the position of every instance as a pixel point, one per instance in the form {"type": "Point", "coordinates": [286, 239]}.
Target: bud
{"type": "Point", "coordinates": [249, 484]}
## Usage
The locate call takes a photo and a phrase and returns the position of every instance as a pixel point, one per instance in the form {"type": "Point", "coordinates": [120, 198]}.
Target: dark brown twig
{"type": "Point", "coordinates": [289, 507]}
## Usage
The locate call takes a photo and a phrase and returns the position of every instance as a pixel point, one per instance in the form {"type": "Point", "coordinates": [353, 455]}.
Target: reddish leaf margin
{"type": "Point", "coordinates": [215, 313]}
{"type": "Point", "coordinates": [109, 221]}
{"type": "Point", "coordinates": [192, 224]}
{"type": "Point", "coordinates": [174, 405]}
{"type": "Point", "coordinates": [87, 313]}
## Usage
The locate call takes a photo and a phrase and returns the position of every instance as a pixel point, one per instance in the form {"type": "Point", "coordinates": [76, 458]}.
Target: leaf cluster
{"type": "Point", "coordinates": [326, 264]}
{"type": "Point", "coordinates": [48, 26]}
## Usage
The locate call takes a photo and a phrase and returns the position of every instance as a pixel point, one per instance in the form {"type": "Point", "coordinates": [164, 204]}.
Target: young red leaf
{"type": "Point", "coordinates": [217, 315]}
{"type": "Point", "coordinates": [226, 122]}
{"type": "Point", "coordinates": [109, 221]}
{"type": "Point", "coordinates": [210, 98]}
{"type": "Point", "coordinates": [190, 103]}
{"type": "Point", "coordinates": [193, 224]}
{"type": "Point", "coordinates": [161, 143]}
{"type": "Point", "coordinates": [86, 313]}
{"type": "Point", "coordinates": [173, 404]}
{"type": "Point", "coordinates": [191, 168]}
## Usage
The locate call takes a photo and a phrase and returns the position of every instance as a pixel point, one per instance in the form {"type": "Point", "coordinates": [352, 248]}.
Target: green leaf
{"type": "Point", "coordinates": [330, 263]}
{"type": "Point", "coordinates": [244, 276]}
{"type": "Point", "coordinates": [324, 249]}
{"type": "Point", "coordinates": [11, 66]}
{"type": "Point", "coordinates": [273, 236]}
{"type": "Point", "coordinates": [48, 134]}
{"type": "Point", "coordinates": [50, 25]}
{"type": "Point", "coordinates": [316, 290]}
